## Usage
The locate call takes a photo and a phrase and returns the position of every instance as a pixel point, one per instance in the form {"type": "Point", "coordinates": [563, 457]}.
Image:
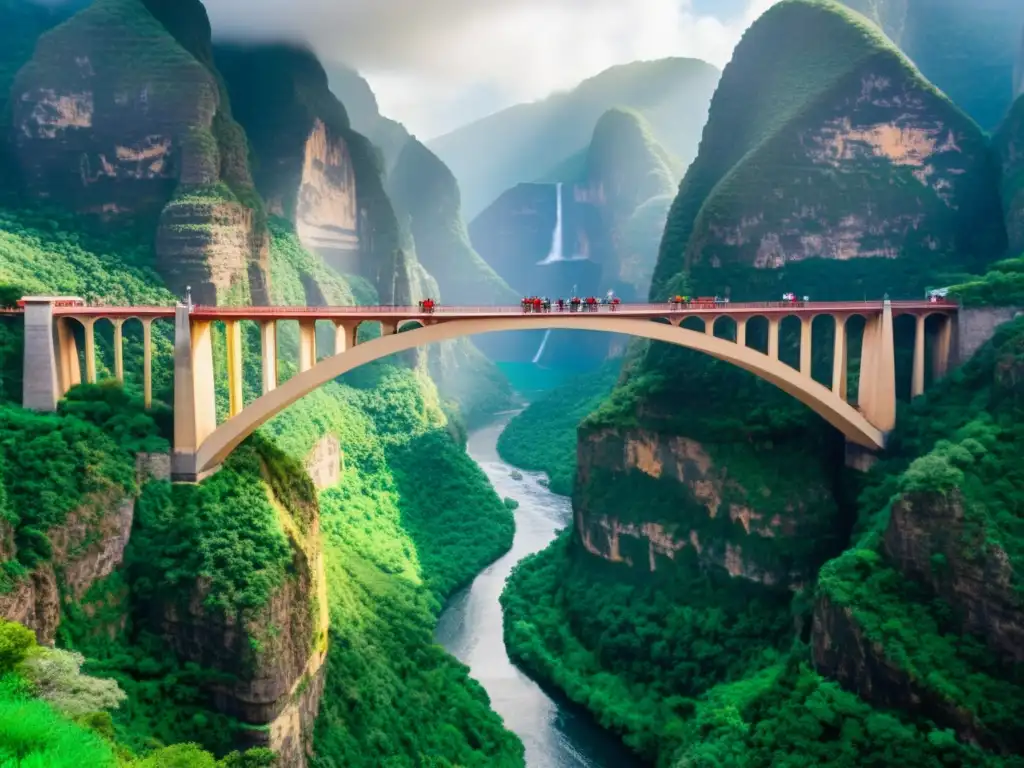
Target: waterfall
{"type": "Point", "coordinates": [543, 343]}
{"type": "Point", "coordinates": [555, 254]}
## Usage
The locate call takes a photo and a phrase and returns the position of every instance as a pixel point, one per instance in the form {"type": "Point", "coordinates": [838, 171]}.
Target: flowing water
{"type": "Point", "coordinates": [555, 254]}
{"type": "Point", "coordinates": [556, 733]}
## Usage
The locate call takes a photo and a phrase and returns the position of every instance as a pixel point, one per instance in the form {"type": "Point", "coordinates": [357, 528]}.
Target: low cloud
{"type": "Point", "coordinates": [436, 64]}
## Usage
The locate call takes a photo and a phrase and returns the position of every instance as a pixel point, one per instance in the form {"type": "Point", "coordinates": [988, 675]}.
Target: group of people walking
{"type": "Point", "coordinates": [575, 304]}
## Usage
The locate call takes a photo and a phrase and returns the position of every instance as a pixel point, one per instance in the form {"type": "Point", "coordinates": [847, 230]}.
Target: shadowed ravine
{"type": "Point", "coordinates": [556, 734]}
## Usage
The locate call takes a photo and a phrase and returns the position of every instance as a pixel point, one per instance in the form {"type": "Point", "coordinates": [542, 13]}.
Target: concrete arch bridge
{"type": "Point", "coordinates": [52, 366]}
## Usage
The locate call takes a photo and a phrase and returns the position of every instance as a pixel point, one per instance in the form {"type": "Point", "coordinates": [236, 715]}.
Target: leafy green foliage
{"type": "Point", "coordinates": [1001, 286]}
{"type": "Point", "coordinates": [789, 717]}
{"type": "Point", "coordinates": [635, 653]}
{"type": "Point", "coordinates": [34, 735]}
{"type": "Point", "coordinates": [51, 466]}
{"type": "Point", "coordinates": [56, 677]}
{"type": "Point", "coordinates": [543, 437]}
{"type": "Point", "coordinates": [15, 643]}
{"type": "Point", "coordinates": [224, 530]}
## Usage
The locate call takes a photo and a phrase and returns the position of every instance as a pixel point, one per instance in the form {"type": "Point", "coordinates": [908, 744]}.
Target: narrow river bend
{"type": "Point", "coordinates": [556, 734]}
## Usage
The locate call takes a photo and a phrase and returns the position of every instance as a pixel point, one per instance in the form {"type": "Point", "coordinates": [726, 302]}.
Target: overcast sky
{"type": "Point", "coordinates": [437, 64]}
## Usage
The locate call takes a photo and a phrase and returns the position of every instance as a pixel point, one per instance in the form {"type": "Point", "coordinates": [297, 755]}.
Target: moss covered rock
{"type": "Point", "coordinates": [836, 148]}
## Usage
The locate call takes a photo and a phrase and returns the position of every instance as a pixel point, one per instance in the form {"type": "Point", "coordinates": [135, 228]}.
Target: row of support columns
{"type": "Point", "coordinates": [69, 373]}
{"type": "Point", "coordinates": [345, 337]}
{"type": "Point", "coordinates": [877, 398]}
{"type": "Point", "coordinates": [194, 390]}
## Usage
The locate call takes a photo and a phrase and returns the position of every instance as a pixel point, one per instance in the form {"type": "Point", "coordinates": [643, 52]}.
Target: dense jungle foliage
{"type": "Point", "coordinates": [542, 438]}
{"type": "Point", "coordinates": [412, 520]}
{"type": "Point", "coordinates": [694, 674]}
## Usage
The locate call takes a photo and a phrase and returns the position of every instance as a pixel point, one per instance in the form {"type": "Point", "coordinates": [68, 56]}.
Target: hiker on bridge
{"type": "Point", "coordinates": [427, 305]}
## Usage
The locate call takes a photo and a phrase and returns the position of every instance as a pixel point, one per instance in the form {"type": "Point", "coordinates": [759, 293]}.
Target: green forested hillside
{"type": "Point", "coordinates": [694, 668]}
{"type": "Point", "coordinates": [543, 437]}
{"type": "Point", "coordinates": [394, 552]}
{"type": "Point", "coordinates": [525, 142]}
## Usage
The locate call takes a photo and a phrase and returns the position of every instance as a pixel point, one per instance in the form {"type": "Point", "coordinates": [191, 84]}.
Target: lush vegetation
{"type": "Point", "coordinates": [412, 519]}
{"type": "Point", "coordinates": [543, 437]}
{"type": "Point", "coordinates": [1001, 286]}
{"type": "Point", "coordinates": [694, 671]}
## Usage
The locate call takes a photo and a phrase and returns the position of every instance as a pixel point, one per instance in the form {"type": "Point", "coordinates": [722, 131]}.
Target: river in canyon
{"type": "Point", "coordinates": [556, 733]}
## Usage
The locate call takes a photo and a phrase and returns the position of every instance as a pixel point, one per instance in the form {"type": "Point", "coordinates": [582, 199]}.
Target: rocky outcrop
{"type": "Point", "coordinates": [842, 651]}
{"type": "Point", "coordinates": [326, 214]}
{"type": "Point", "coordinates": [697, 504]}
{"type": "Point", "coordinates": [868, 128]}
{"type": "Point", "coordinates": [113, 117]}
{"type": "Point", "coordinates": [324, 463]}
{"type": "Point", "coordinates": [88, 547]}
{"type": "Point", "coordinates": [104, 111]}
{"type": "Point", "coordinates": [273, 656]}
{"type": "Point", "coordinates": [929, 541]}
{"type": "Point", "coordinates": [215, 245]}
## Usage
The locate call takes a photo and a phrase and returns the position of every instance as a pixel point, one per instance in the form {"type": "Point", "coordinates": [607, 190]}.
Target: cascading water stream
{"type": "Point", "coordinates": [555, 254]}
{"type": "Point", "coordinates": [543, 343]}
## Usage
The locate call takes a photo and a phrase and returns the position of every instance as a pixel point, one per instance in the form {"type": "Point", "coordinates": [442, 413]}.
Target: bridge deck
{"type": "Point", "coordinates": [639, 311]}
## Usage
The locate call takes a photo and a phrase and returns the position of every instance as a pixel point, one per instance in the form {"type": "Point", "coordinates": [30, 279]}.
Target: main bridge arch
{"type": "Point", "coordinates": [829, 404]}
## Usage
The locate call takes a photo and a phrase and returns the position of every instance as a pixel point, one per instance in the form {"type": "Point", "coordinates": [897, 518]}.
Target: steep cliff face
{"type": "Point", "coordinates": [632, 179]}
{"type": "Point", "coordinates": [314, 169]}
{"type": "Point", "coordinates": [104, 110]}
{"type": "Point", "coordinates": [87, 547]}
{"type": "Point", "coordinates": [925, 612]}
{"type": "Point", "coordinates": [526, 142]}
{"type": "Point", "coordinates": [894, 169]}
{"type": "Point", "coordinates": [967, 49]}
{"type": "Point", "coordinates": [113, 117]}
{"type": "Point", "coordinates": [267, 649]}
{"type": "Point", "coordinates": [931, 540]}
{"type": "Point", "coordinates": [753, 531]}
{"type": "Point", "coordinates": [1009, 142]}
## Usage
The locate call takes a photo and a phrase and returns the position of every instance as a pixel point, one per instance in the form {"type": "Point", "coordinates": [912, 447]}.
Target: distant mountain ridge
{"type": "Point", "coordinates": [527, 142]}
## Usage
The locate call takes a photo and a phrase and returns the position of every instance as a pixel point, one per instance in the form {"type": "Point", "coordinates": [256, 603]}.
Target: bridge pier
{"type": "Point", "coordinates": [41, 386]}
{"type": "Point", "coordinates": [195, 411]}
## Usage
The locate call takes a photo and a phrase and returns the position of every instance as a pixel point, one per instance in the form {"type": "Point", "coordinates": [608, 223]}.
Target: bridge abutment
{"type": "Point", "coordinates": [41, 385]}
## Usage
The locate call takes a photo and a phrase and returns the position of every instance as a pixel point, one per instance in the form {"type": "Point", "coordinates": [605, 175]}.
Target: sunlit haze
{"type": "Point", "coordinates": [437, 65]}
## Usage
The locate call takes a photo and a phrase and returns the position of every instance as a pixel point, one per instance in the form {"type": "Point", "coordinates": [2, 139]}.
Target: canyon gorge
{"type": "Point", "coordinates": [695, 569]}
